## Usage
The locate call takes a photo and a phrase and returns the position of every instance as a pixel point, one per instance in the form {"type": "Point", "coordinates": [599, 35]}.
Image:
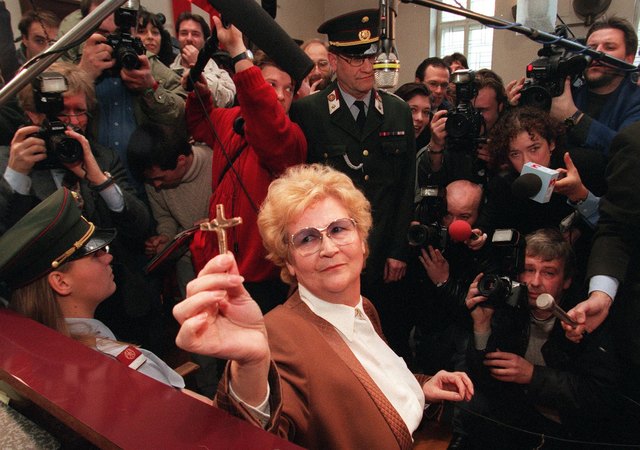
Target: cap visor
{"type": "Point", "coordinates": [100, 238]}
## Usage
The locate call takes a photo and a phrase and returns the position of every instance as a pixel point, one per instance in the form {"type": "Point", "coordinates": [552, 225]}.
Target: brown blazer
{"type": "Point", "coordinates": [321, 397]}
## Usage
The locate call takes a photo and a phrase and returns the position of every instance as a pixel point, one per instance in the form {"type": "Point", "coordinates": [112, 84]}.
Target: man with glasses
{"type": "Point", "coordinates": [368, 135]}
{"type": "Point", "coordinates": [98, 179]}
{"type": "Point", "coordinates": [434, 74]}
{"type": "Point", "coordinates": [322, 73]}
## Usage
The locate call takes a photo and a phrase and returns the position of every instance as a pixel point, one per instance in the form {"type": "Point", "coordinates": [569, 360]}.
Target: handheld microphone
{"type": "Point", "coordinates": [204, 55]}
{"type": "Point", "coordinates": [386, 68]}
{"type": "Point", "coordinates": [546, 302]}
{"type": "Point", "coordinates": [535, 182]}
{"type": "Point", "coordinates": [460, 231]}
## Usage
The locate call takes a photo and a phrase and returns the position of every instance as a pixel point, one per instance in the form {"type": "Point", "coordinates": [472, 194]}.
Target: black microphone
{"type": "Point", "coordinates": [204, 55]}
{"type": "Point", "coordinates": [387, 65]}
{"type": "Point", "coordinates": [259, 26]}
{"type": "Point", "coordinates": [526, 186]}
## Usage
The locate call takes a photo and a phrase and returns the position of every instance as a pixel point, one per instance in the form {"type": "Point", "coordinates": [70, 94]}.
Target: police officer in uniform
{"type": "Point", "coordinates": [368, 135]}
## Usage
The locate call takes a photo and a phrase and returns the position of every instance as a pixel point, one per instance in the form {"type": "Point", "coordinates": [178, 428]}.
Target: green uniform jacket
{"type": "Point", "coordinates": [380, 160]}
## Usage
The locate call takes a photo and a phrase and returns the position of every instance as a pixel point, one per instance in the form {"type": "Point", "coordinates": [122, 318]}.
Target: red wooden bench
{"type": "Point", "coordinates": [109, 404]}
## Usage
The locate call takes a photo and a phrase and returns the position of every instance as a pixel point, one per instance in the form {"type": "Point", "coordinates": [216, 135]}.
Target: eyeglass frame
{"type": "Point", "coordinates": [360, 59]}
{"type": "Point", "coordinates": [321, 64]}
{"type": "Point", "coordinates": [323, 232]}
{"type": "Point", "coordinates": [66, 118]}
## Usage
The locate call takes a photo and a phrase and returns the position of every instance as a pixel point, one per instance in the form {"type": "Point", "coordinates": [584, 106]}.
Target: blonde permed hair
{"type": "Point", "coordinates": [297, 189]}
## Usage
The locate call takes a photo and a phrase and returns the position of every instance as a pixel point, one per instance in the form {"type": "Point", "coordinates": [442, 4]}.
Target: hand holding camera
{"type": "Point", "coordinates": [481, 316]}
{"type": "Point", "coordinates": [26, 150]}
{"type": "Point", "coordinates": [96, 56]}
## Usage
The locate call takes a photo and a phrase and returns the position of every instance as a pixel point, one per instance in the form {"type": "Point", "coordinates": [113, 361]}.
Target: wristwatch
{"type": "Point", "coordinates": [573, 120]}
{"type": "Point", "coordinates": [432, 151]}
{"type": "Point", "coordinates": [247, 54]}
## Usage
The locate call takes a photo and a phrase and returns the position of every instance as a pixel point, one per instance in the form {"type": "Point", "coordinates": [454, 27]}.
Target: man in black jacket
{"type": "Point", "coordinates": [530, 380]}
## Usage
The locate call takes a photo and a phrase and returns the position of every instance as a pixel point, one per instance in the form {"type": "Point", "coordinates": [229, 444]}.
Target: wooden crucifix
{"type": "Point", "coordinates": [220, 224]}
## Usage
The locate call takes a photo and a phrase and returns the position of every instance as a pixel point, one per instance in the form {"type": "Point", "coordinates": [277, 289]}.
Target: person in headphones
{"type": "Point", "coordinates": [252, 144]}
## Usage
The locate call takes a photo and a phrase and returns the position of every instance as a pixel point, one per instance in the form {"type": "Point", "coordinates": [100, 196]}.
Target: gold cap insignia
{"type": "Point", "coordinates": [363, 35]}
{"type": "Point", "coordinates": [365, 19]}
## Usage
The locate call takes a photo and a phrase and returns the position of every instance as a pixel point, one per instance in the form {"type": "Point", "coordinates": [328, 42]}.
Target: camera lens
{"type": "Point", "coordinates": [128, 58]}
{"type": "Point", "coordinates": [66, 149]}
{"type": "Point", "coordinates": [536, 96]}
{"type": "Point", "coordinates": [494, 286]}
{"type": "Point", "coordinates": [418, 235]}
{"type": "Point", "coordinates": [458, 125]}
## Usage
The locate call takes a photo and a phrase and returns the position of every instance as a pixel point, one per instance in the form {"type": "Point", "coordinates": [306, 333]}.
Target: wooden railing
{"type": "Point", "coordinates": [109, 404]}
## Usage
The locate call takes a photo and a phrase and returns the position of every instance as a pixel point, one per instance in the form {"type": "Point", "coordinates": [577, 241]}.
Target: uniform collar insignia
{"type": "Point", "coordinates": [333, 101]}
{"type": "Point", "coordinates": [378, 102]}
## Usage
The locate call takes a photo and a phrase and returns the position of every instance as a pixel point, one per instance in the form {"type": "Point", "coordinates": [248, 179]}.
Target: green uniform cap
{"type": "Point", "coordinates": [354, 34]}
{"type": "Point", "coordinates": [52, 233]}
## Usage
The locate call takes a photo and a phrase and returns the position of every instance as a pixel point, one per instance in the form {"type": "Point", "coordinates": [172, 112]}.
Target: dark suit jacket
{"type": "Point", "coordinates": [321, 397]}
{"type": "Point", "coordinates": [385, 149]}
{"type": "Point", "coordinates": [616, 245]}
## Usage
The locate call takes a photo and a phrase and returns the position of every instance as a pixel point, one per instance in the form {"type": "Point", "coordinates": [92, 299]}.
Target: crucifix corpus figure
{"type": "Point", "coordinates": [220, 225]}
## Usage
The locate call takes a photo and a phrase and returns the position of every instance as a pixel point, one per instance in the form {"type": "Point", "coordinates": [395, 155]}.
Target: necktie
{"type": "Point", "coordinates": [362, 116]}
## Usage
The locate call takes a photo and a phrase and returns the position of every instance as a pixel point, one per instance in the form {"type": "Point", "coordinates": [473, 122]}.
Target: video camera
{"type": "Point", "coordinates": [126, 48]}
{"type": "Point", "coordinates": [47, 94]}
{"type": "Point", "coordinates": [429, 212]}
{"type": "Point", "coordinates": [464, 123]}
{"type": "Point", "coordinates": [546, 75]}
{"type": "Point", "coordinates": [501, 287]}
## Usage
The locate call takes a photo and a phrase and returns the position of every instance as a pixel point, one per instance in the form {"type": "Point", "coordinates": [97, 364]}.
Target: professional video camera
{"type": "Point", "coordinates": [126, 48]}
{"type": "Point", "coordinates": [429, 212]}
{"type": "Point", "coordinates": [546, 75]}
{"type": "Point", "coordinates": [501, 287]}
{"type": "Point", "coordinates": [47, 94]}
{"type": "Point", "coordinates": [464, 123]}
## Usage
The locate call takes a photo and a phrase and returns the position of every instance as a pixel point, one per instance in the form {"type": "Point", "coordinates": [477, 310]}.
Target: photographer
{"type": "Point", "coordinates": [482, 102]}
{"type": "Point", "coordinates": [608, 100]}
{"type": "Point", "coordinates": [32, 169]}
{"type": "Point", "coordinates": [449, 270]}
{"type": "Point", "coordinates": [529, 378]}
{"type": "Point", "coordinates": [128, 81]}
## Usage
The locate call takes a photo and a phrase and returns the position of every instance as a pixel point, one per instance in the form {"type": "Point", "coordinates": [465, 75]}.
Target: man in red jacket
{"type": "Point", "coordinates": [252, 144]}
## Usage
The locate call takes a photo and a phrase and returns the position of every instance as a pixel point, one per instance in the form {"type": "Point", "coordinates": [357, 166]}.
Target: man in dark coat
{"type": "Point", "coordinates": [613, 265]}
{"type": "Point", "coordinates": [367, 134]}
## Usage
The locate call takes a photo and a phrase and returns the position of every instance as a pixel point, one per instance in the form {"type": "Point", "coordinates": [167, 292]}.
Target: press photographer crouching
{"type": "Point", "coordinates": [530, 379]}
{"type": "Point", "coordinates": [51, 152]}
{"type": "Point", "coordinates": [449, 260]}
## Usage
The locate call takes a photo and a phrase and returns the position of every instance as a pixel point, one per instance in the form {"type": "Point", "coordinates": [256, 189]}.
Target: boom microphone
{"type": "Point", "coordinates": [204, 55]}
{"type": "Point", "coordinates": [386, 68]}
{"type": "Point", "coordinates": [262, 30]}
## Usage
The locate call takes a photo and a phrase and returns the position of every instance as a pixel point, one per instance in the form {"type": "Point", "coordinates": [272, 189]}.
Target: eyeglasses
{"type": "Point", "coordinates": [321, 64]}
{"type": "Point", "coordinates": [357, 61]}
{"type": "Point", "coordinates": [309, 240]}
{"type": "Point", "coordinates": [78, 113]}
